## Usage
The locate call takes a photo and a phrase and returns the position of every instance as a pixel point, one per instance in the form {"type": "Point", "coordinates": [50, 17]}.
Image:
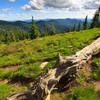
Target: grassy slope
{"type": "Point", "coordinates": [24, 58]}
{"type": "Point", "coordinates": [96, 72]}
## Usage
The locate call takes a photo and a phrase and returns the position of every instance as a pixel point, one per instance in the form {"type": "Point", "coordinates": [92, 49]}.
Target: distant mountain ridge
{"type": "Point", "coordinates": [81, 19]}
{"type": "Point", "coordinates": [60, 24]}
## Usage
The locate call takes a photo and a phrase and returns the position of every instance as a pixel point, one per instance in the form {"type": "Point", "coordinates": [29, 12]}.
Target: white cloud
{"type": "Point", "coordinates": [7, 9]}
{"type": "Point", "coordinates": [34, 5]}
{"type": "Point", "coordinates": [91, 4]}
{"type": "Point", "coordinates": [45, 14]}
{"type": "Point", "coordinates": [26, 7]}
{"type": "Point", "coordinates": [58, 3]}
{"type": "Point", "coordinates": [61, 4]}
{"type": "Point", "coordinates": [15, 16]}
{"type": "Point", "coordinates": [50, 4]}
{"type": "Point", "coordinates": [12, 0]}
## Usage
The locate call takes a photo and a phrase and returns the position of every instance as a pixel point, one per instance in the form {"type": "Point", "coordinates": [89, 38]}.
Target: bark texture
{"type": "Point", "coordinates": [65, 67]}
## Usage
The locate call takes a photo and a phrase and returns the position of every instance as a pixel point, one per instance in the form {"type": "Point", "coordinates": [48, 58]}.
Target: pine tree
{"type": "Point", "coordinates": [12, 36]}
{"type": "Point", "coordinates": [34, 30]}
{"type": "Point", "coordinates": [2, 36]}
{"type": "Point", "coordinates": [79, 26]}
{"type": "Point", "coordinates": [16, 32]}
{"type": "Point", "coordinates": [74, 27]}
{"type": "Point", "coordinates": [85, 25]}
{"type": "Point", "coordinates": [53, 30]}
{"type": "Point", "coordinates": [96, 19]}
{"type": "Point", "coordinates": [46, 30]}
{"type": "Point", "coordinates": [67, 30]}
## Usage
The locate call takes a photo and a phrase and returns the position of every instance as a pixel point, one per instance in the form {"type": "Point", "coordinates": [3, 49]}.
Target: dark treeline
{"type": "Point", "coordinates": [18, 34]}
{"type": "Point", "coordinates": [13, 35]}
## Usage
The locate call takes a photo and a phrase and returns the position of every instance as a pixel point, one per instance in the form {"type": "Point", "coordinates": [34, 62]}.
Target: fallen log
{"type": "Point", "coordinates": [66, 66]}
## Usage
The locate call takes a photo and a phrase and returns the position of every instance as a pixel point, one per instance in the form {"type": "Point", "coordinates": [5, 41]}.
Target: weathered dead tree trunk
{"type": "Point", "coordinates": [66, 66]}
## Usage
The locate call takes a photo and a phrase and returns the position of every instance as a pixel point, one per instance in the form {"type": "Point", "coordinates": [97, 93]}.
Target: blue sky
{"type": "Point", "coordinates": [44, 9]}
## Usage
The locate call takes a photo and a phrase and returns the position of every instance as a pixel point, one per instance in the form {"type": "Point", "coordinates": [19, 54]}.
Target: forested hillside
{"type": "Point", "coordinates": [60, 24]}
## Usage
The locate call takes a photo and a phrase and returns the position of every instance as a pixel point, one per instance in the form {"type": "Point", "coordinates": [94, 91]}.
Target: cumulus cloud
{"type": "Point", "coordinates": [7, 9]}
{"type": "Point", "coordinates": [42, 4]}
{"type": "Point", "coordinates": [92, 4]}
{"type": "Point", "coordinates": [34, 5]}
{"type": "Point", "coordinates": [12, 0]}
{"type": "Point", "coordinates": [26, 7]}
{"type": "Point", "coordinates": [61, 4]}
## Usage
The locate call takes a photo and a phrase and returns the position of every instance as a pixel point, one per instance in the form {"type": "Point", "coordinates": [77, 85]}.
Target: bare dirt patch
{"type": "Point", "coordinates": [97, 85]}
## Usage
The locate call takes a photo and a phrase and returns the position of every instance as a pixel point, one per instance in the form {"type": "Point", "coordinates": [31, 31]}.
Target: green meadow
{"type": "Point", "coordinates": [20, 61]}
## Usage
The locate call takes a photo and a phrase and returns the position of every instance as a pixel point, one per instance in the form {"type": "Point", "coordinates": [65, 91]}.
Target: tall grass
{"type": "Point", "coordinates": [96, 73]}
{"type": "Point", "coordinates": [4, 91]}
{"type": "Point", "coordinates": [84, 93]}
